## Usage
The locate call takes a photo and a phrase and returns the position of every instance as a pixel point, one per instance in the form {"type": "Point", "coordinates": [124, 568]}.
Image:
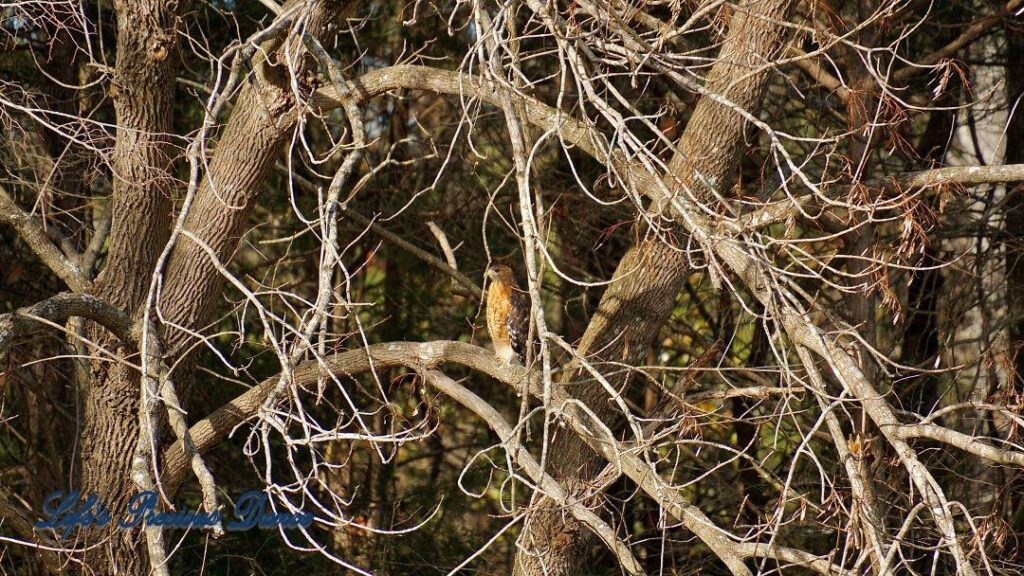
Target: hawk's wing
{"type": "Point", "coordinates": [519, 322]}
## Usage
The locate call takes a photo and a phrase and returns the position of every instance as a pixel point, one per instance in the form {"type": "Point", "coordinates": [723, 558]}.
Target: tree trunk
{"type": "Point", "coordinates": [1015, 204]}
{"type": "Point", "coordinates": [630, 314]}
{"type": "Point", "coordinates": [264, 114]}
{"type": "Point", "coordinates": [644, 287]}
{"type": "Point", "coordinates": [263, 117]}
{"type": "Point", "coordinates": [141, 205]}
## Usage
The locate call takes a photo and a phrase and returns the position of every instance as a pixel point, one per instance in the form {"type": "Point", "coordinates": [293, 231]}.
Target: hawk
{"type": "Point", "coordinates": [508, 315]}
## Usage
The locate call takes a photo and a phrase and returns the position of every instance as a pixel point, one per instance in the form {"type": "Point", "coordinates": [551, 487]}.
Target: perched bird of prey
{"type": "Point", "coordinates": [508, 315]}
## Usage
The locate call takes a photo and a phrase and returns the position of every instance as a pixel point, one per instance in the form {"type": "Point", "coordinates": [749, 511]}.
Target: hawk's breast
{"type": "Point", "coordinates": [498, 305]}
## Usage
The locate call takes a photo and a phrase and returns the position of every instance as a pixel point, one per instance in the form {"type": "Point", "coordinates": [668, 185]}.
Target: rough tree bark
{"type": "Point", "coordinates": [631, 312]}
{"type": "Point", "coordinates": [265, 113]}
{"type": "Point", "coordinates": [264, 116]}
{"type": "Point", "coordinates": [143, 87]}
{"type": "Point", "coordinates": [645, 284]}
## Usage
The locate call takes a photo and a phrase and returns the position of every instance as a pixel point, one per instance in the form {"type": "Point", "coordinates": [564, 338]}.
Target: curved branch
{"type": "Point", "coordinates": [592, 141]}
{"type": "Point", "coordinates": [213, 429]}
{"type": "Point", "coordinates": [962, 441]}
{"type": "Point", "coordinates": [33, 234]}
{"type": "Point", "coordinates": [551, 487]}
{"type": "Point", "coordinates": [427, 356]}
{"type": "Point", "coordinates": [782, 210]}
{"type": "Point", "coordinates": [58, 309]}
{"type": "Point", "coordinates": [747, 268]}
{"type": "Point", "coordinates": [972, 33]}
{"type": "Point", "coordinates": [793, 556]}
{"type": "Point", "coordinates": [412, 77]}
{"type": "Point", "coordinates": [16, 520]}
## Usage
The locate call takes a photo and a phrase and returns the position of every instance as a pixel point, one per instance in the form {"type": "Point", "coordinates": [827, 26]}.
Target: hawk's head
{"type": "Point", "coordinates": [502, 274]}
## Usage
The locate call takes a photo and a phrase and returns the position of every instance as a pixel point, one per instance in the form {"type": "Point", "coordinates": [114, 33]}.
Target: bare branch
{"type": "Point", "coordinates": [972, 33]}
{"type": "Point", "coordinates": [548, 485]}
{"type": "Point", "coordinates": [33, 234]}
{"type": "Point", "coordinates": [58, 309]}
{"type": "Point", "coordinates": [964, 442]}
